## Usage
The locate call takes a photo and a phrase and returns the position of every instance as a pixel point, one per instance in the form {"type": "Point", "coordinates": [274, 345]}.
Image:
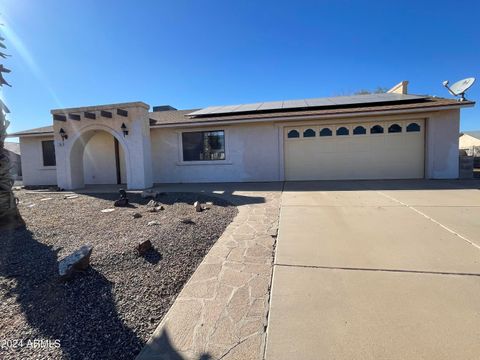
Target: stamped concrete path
{"type": "Point", "coordinates": [377, 270]}
{"type": "Point", "coordinates": [221, 313]}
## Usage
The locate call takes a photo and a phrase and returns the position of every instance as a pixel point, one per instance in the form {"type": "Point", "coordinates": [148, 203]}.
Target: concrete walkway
{"type": "Point", "coordinates": [377, 270]}
{"type": "Point", "coordinates": [221, 313]}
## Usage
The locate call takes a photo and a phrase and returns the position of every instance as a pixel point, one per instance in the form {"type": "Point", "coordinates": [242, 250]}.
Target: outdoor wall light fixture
{"type": "Point", "coordinates": [124, 129]}
{"type": "Point", "coordinates": [63, 134]}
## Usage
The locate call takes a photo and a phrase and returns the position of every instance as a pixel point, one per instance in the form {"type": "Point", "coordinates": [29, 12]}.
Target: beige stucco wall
{"type": "Point", "coordinates": [466, 141]}
{"type": "Point", "coordinates": [252, 154]}
{"type": "Point", "coordinates": [442, 144]}
{"type": "Point", "coordinates": [33, 171]}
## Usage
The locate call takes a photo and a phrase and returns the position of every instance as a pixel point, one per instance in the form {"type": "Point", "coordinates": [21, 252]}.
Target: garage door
{"type": "Point", "coordinates": [367, 150]}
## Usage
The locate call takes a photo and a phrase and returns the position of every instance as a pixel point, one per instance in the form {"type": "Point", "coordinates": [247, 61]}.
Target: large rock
{"type": "Point", "coordinates": [77, 261]}
{"type": "Point", "coordinates": [143, 247]}
{"type": "Point", "coordinates": [121, 203]}
{"type": "Point", "coordinates": [197, 206]}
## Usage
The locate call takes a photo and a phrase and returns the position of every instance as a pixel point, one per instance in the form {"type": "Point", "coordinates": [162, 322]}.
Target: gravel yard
{"type": "Point", "coordinates": [109, 311]}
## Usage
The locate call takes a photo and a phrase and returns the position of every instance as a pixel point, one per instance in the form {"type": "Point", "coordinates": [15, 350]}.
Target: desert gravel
{"type": "Point", "coordinates": [109, 311]}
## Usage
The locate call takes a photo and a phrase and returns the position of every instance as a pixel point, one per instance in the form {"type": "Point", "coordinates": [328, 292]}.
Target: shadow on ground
{"type": "Point", "coordinates": [51, 307]}
{"type": "Point", "coordinates": [162, 348]}
{"type": "Point", "coordinates": [171, 198]}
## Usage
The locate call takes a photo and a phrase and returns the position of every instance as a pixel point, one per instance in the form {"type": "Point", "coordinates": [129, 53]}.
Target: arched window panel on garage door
{"type": "Point", "coordinates": [325, 132]}
{"type": "Point", "coordinates": [376, 129]}
{"type": "Point", "coordinates": [308, 133]}
{"type": "Point", "coordinates": [413, 127]}
{"type": "Point", "coordinates": [293, 134]}
{"type": "Point", "coordinates": [359, 130]}
{"type": "Point", "coordinates": [342, 131]}
{"type": "Point", "coordinates": [394, 128]}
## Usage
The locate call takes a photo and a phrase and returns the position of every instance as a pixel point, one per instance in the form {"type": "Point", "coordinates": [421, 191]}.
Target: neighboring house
{"type": "Point", "coordinates": [13, 152]}
{"type": "Point", "coordinates": [469, 139]}
{"type": "Point", "coordinates": [378, 136]}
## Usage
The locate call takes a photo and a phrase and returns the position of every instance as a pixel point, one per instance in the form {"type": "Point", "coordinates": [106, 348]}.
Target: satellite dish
{"type": "Point", "coordinates": [459, 88]}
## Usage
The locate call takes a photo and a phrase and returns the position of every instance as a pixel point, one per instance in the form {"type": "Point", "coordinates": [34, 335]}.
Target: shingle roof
{"type": "Point", "coordinates": [179, 117]}
{"type": "Point", "coordinates": [12, 147]}
{"type": "Point", "coordinates": [37, 131]}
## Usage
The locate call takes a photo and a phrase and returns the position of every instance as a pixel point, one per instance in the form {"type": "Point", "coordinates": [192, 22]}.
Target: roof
{"type": "Point", "coordinates": [475, 133]}
{"type": "Point", "coordinates": [176, 118]}
{"type": "Point", "coordinates": [172, 118]}
{"type": "Point", "coordinates": [12, 147]}
{"type": "Point", "coordinates": [45, 130]}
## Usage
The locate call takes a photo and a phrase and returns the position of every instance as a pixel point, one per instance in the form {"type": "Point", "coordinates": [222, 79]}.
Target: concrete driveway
{"type": "Point", "coordinates": [377, 270]}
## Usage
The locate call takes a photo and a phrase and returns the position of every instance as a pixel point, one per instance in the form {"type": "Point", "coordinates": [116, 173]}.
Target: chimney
{"type": "Point", "coordinates": [400, 88]}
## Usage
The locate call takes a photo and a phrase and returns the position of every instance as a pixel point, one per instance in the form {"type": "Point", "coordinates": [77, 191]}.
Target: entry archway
{"type": "Point", "coordinates": [98, 156]}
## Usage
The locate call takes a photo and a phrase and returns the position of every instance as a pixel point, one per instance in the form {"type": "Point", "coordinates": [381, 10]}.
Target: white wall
{"type": "Point", "coordinates": [99, 166]}
{"type": "Point", "coordinates": [252, 154]}
{"type": "Point", "coordinates": [33, 171]}
{"type": "Point", "coordinates": [442, 145]}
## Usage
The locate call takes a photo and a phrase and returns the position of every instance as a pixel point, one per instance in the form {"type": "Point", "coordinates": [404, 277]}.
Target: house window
{"type": "Point", "coordinates": [48, 152]}
{"type": "Point", "coordinates": [395, 128]}
{"type": "Point", "coordinates": [203, 145]}
{"type": "Point", "coordinates": [293, 134]}
{"type": "Point", "coordinates": [377, 129]}
{"type": "Point", "coordinates": [326, 132]}
{"type": "Point", "coordinates": [342, 131]}
{"type": "Point", "coordinates": [359, 130]}
{"type": "Point", "coordinates": [413, 127]}
{"type": "Point", "coordinates": [309, 133]}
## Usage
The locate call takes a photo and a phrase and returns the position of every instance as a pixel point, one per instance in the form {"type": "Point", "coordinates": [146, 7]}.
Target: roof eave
{"type": "Point", "coordinates": [14, 135]}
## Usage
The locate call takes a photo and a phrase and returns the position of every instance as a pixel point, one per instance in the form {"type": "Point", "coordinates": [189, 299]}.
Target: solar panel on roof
{"type": "Point", "coordinates": [292, 104]}
{"type": "Point", "coordinates": [249, 107]}
{"type": "Point", "coordinates": [307, 103]}
{"type": "Point", "coordinates": [271, 105]}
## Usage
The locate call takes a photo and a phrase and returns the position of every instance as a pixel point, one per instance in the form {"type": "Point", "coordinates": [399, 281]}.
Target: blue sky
{"type": "Point", "coordinates": [192, 54]}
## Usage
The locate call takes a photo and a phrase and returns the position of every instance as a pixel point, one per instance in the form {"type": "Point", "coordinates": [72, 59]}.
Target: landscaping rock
{"type": "Point", "coordinates": [156, 209]}
{"type": "Point", "coordinates": [143, 247]}
{"type": "Point", "coordinates": [136, 215]}
{"type": "Point", "coordinates": [79, 260]}
{"type": "Point", "coordinates": [153, 223]}
{"type": "Point", "coordinates": [121, 203]}
{"type": "Point", "coordinates": [107, 210]}
{"type": "Point", "coordinates": [70, 196]}
{"type": "Point", "coordinates": [153, 203]}
{"type": "Point", "coordinates": [208, 205]}
{"type": "Point", "coordinates": [197, 206]}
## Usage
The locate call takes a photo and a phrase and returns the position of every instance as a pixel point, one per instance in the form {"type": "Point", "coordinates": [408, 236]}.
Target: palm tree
{"type": "Point", "coordinates": [9, 215]}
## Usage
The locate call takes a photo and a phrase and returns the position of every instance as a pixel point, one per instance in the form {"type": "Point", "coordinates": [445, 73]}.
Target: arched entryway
{"type": "Point", "coordinates": [98, 156]}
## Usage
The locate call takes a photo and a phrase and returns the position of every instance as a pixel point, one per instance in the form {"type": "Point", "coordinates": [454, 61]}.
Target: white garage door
{"type": "Point", "coordinates": [370, 150]}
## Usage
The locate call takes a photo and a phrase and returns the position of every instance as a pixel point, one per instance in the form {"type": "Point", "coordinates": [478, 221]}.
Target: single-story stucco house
{"type": "Point", "coordinates": [394, 135]}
